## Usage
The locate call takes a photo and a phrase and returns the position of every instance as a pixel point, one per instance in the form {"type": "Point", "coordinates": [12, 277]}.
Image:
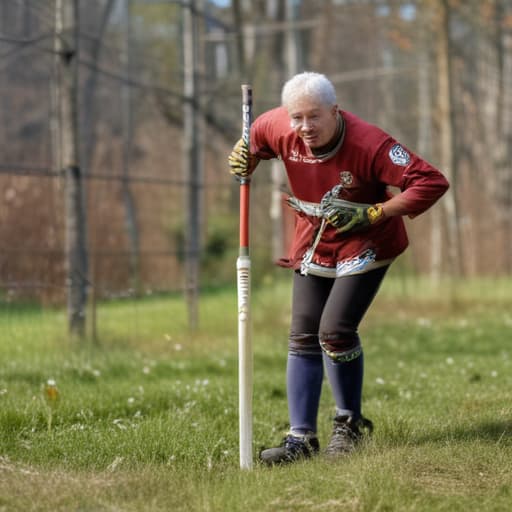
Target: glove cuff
{"type": "Point", "coordinates": [375, 213]}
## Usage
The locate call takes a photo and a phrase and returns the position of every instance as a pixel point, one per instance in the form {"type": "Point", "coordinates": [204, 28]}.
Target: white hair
{"type": "Point", "coordinates": [309, 84]}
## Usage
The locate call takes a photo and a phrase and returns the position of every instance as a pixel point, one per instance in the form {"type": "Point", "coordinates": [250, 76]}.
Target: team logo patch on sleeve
{"type": "Point", "coordinates": [399, 156]}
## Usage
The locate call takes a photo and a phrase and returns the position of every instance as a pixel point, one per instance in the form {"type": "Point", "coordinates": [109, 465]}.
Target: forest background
{"type": "Point", "coordinates": [142, 203]}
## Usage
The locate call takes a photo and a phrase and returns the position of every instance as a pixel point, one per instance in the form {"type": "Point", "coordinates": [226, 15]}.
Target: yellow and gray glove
{"type": "Point", "coordinates": [348, 216]}
{"type": "Point", "coordinates": [241, 162]}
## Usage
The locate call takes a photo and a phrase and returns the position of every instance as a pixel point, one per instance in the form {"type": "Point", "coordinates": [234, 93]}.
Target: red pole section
{"type": "Point", "coordinates": [244, 215]}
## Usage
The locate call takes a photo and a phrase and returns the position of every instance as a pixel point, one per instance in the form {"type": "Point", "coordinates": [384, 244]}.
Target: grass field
{"type": "Point", "coordinates": [146, 420]}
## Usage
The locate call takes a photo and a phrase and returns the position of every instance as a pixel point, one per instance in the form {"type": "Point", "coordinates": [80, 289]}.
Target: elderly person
{"type": "Point", "coordinates": [348, 231]}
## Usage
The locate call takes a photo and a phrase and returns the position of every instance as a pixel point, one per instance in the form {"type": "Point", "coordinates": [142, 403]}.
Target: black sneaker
{"type": "Point", "coordinates": [294, 447]}
{"type": "Point", "coordinates": [346, 434]}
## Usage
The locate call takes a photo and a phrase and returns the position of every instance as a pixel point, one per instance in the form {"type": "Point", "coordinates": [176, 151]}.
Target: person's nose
{"type": "Point", "coordinates": [307, 125]}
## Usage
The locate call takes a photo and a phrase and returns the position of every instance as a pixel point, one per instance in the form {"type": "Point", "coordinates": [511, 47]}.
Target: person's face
{"type": "Point", "coordinates": [313, 121]}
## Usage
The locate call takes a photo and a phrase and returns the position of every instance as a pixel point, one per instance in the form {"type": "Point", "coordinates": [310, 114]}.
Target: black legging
{"type": "Point", "coordinates": [326, 312]}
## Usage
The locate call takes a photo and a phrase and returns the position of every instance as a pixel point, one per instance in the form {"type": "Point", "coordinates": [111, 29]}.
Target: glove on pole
{"type": "Point", "coordinates": [241, 162]}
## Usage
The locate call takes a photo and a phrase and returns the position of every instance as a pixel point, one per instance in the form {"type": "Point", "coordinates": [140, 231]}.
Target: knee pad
{"type": "Point", "coordinates": [341, 347]}
{"type": "Point", "coordinates": [302, 344]}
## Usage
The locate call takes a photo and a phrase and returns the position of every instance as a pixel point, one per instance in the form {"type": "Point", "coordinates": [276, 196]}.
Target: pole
{"type": "Point", "coordinates": [243, 266]}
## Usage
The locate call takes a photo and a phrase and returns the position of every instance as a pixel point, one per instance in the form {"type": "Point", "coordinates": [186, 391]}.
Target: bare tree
{"type": "Point", "coordinates": [90, 89]}
{"type": "Point", "coordinates": [238, 19]}
{"type": "Point", "coordinates": [425, 145]}
{"type": "Point", "coordinates": [76, 251]}
{"type": "Point", "coordinates": [448, 155]}
{"type": "Point", "coordinates": [503, 152]}
{"type": "Point", "coordinates": [130, 207]}
{"type": "Point", "coordinates": [192, 163]}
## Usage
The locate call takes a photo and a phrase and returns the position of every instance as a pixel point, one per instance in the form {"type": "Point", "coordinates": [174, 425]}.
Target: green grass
{"type": "Point", "coordinates": [147, 417]}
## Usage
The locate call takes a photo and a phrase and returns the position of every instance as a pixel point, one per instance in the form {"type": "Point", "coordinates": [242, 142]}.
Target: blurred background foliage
{"type": "Point", "coordinates": [434, 73]}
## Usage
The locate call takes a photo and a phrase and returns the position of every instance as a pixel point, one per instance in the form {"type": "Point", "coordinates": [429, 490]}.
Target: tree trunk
{"type": "Point", "coordinates": [89, 110]}
{"type": "Point", "coordinates": [503, 144]}
{"type": "Point", "coordinates": [425, 103]}
{"type": "Point", "coordinates": [192, 167]}
{"type": "Point", "coordinates": [76, 252]}
{"type": "Point", "coordinates": [130, 207]}
{"type": "Point", "coordinates": [447, 138]}
{"type": "Point", "coordinates": [240, 40]}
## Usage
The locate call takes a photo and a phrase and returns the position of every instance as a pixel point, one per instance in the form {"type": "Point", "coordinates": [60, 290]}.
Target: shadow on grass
{"type": "Point", "coordinates": [490, 431]}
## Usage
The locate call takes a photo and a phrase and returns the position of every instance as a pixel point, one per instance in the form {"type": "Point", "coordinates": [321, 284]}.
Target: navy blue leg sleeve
{"type": "Point", "coordinates": [346, 381]}
{"type": "Point", "coordinates": [304, 376]}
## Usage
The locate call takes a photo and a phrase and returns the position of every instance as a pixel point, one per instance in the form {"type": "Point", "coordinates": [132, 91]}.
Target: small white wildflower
{"type": "Point", "coordinates": [131, 400]}
{"type": "Point", "coordinates": [449, 360]}
{"type": "Point", "coordinates": [424, 322]}
{"type": "Point", "coordinates": [406, 394]}
{"type": "Point", "coordinates": [118, 422]}
{"type": "Point", "coordinates": [380, 380]}
{"type": "Point", "coordinates": [168, 337]}
{"type": "Point", "coordinates": [146, 370]}
{"type": "Point", "coordinates": [3, 391]}
{"type": "Point", "coordinates": [178, 347]}
{"type": "Point", "coordinates": [494, 373]}
{"type": "Point", "coordinates": [115, 463]}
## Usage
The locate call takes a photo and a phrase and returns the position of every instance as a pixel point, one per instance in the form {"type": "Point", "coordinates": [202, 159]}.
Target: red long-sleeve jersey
{"type": "Point", "coordinates": [368, 161]}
